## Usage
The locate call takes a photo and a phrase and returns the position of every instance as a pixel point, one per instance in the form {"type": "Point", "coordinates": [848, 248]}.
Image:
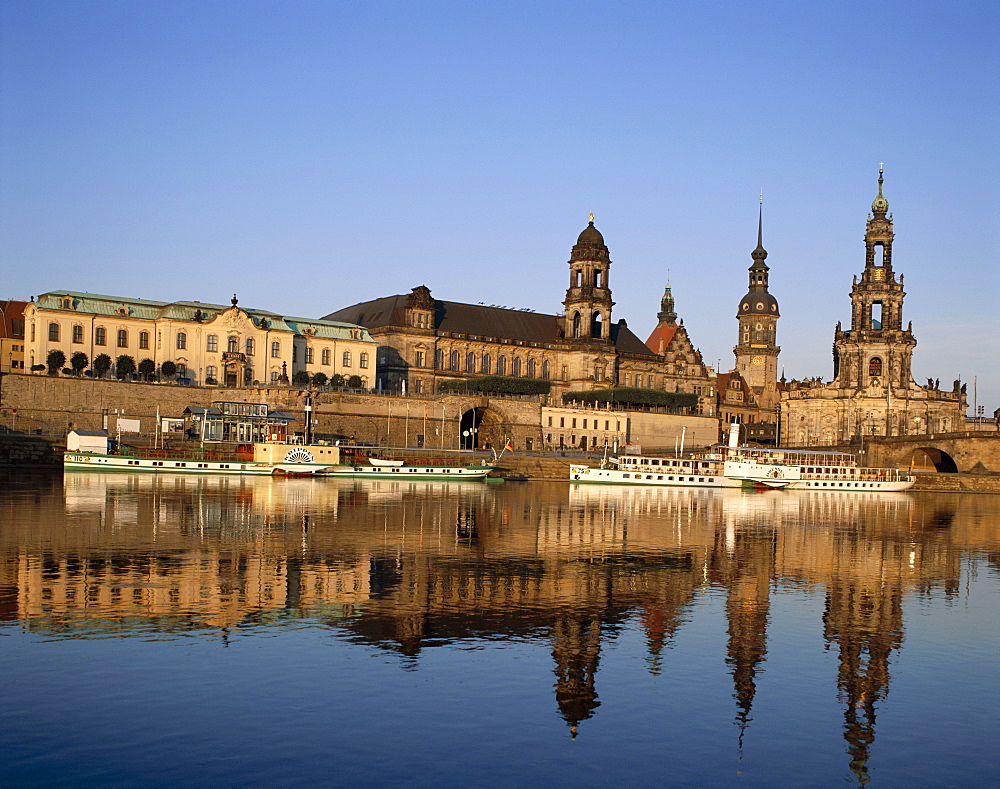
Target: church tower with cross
{"type": "Point", "coordinates": [873, 392]}
{"type": "Point", "coordinates": [877, 350]}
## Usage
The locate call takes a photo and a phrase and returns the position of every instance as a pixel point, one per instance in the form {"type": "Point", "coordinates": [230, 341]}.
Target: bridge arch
{"type": "Point", "coordinates": [927, 458]}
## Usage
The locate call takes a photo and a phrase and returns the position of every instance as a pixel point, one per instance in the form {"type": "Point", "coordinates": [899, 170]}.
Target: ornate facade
{"type": "Point", "coordinates": [208, 343]}
{"type": "Point", "coordinates": [873, 391]}
{"type": "Point", "coordinates": [423, 340]}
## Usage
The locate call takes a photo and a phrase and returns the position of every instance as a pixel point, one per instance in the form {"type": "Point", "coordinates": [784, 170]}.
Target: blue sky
{"type": "Point", "coordinates": [309, 155]}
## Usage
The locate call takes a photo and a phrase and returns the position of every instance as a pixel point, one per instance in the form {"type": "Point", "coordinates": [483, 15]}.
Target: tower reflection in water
{"type": "Point", "coordinates": [406, 566]}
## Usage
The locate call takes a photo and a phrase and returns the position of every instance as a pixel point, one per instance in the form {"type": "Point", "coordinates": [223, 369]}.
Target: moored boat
{"type": "Point", "coordinates": [730, 465]}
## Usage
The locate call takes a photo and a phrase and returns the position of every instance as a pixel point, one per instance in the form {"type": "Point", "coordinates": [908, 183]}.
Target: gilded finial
{"type": "Point", "coordinates": [762, 197]}
{"type": "Point", "coordinates": [591, 217]}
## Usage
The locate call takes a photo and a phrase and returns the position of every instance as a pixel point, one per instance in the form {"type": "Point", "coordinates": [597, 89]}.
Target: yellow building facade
{"type": "Point", "coordinates": [207, 343]}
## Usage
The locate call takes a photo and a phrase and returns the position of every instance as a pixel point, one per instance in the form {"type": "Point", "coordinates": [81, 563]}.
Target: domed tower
{"type": "Point", "coordinates": [756, 353]}
{"type": "Point", "coordinates": [877, 350]}
{"type": "Point", "coordinates": [588, 299]}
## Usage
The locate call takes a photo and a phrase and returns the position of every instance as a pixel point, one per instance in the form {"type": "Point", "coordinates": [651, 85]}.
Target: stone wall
{"type": "Point", "coordinates": [56, 404]}
{"type": "Point", "coordinates": [36, 451]}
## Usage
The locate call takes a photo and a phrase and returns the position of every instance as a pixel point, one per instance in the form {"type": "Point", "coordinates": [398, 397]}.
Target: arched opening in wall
{"type": "Point", "coordinates": [875, 367]}
{"type": "Point", "coordinates": [480, 428]}
{"type": "Point", "coordinates": [597, 325]}
{"type": "Point", "coordinates": [597, 279]}
{"type": "Point", "coordinates": [576, 324]}
{"type": "Point", "coordinates": [928, 460]}
{"type": "Point", "coordinates": [876, 315]}
{"type": "Point", "coordinates": [879, 255]}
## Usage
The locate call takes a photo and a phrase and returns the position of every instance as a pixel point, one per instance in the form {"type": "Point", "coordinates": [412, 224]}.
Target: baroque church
{"type": "Point", "coordinates": [872, 392]}
{"type": "Point", "coordinates": [424, 341]}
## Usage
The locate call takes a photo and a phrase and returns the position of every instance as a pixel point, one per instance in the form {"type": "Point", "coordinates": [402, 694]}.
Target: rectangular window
{"type": "Point", "coordinates": [78, 334]}
{"type": "Point", "coordinates": [212, 343]}
{"type": "Point", "coordinates": [574, 425]}
{"type": "Point", "coordinates": [295, 353]}
{"type": "Point", "coordinates": [275, 350]}
{"type": "Point", "coordinates": [309, 355]}
{"type": "Point", "coordinates": [182, 341]}
{"type": "Point", "coordinates": [347, 359]}
{"type": "Point", "coordinates": [144, 340]}
{"type": "Point", "coordinates": [122, 338]}
{"type": "Point", "coordinates": [274, 376]}
{"type": "Point", "coordinates": [100, 336]}
{"type": "Point", "coordinates": [210, 374]}
{"type": "Point", "coordinates": [249, 346]}
{"type": "Point", "coordinates": [418, 359]}
{"type": "Point", "coordinates": [53, 332]}
{"type": "Point", "coordinates": [418, 385]}
{"type": "Point", "coordinates": [325, 356]}
{"type": "Point", "coordinates": [363, 360]}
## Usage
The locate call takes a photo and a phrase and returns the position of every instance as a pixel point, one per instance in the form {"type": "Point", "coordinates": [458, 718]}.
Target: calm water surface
{"type": "Point", "coordinates": [200, 630]}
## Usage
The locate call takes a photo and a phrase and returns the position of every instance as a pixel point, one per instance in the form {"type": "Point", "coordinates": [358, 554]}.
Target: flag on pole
{"type": "Point", "coordinates": [508, 446]}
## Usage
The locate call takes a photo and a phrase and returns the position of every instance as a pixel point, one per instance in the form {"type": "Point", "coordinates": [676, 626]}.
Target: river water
{"type": "Point", "coordinates": [163, 630]}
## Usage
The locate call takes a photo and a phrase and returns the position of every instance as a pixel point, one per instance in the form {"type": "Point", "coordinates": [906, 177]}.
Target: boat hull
{"type": "Point", "coordinates": [85, 461]}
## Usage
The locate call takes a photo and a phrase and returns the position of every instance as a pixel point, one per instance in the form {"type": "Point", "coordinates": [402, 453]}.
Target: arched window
{"type": "Point", "coordinates": [453, 361]}
{"type": "Point", "coordinates": [326, 356]}
{"type": "Point", "coordinates": [501, 365]}
{"type": "Point", "coordinates": [597, 325]}
{"type": "Point", "coordinates": [233, 345]}
{"type": "Point", "coordinates": [485, 369]}
{"type": "Point", "coordinates": [182, 341]}
{"type": "Point", "coordinates": [100, 336]}
{"type": "Point", "coordinates": [122, 338]}
{"type": "Point", "coordinates": [515, 368]}
{"type": "Point", "coordinates": [470, 362]}
{"type": "Point", "coordinates": [576, 324]}
{"type": "Point", "coordinates": [144, 340]}
{"type": "Point", "coordinates": [438, 359]}
{"type": "Point", "coordinates": [875, 367]}
{"type": "Point", "coordinates": [545, 369]}
{"type": "Point", "coordinates": [531, 368]}
{"type": "Point", "coordinates": [53, 332]}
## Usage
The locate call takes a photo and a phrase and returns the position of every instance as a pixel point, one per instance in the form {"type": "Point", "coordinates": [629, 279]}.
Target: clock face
{"type": "Point", "coordinates": [878, 274]}
{"type": "Point", "coordinates": [757, 360]}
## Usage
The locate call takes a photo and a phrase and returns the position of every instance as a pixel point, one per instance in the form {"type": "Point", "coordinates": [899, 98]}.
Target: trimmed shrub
{"type": "Point", "coordinates": [497, 384]}
{"type": "Point", "coordinates": [631, 396]}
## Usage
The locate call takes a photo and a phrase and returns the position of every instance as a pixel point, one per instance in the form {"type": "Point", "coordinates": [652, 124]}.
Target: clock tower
{"type": "Point", "coordinates": [756, 353]}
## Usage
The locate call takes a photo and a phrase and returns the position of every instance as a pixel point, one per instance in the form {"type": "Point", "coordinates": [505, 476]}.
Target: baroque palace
{"type": "Point", "coordinates": [207, 343]}
{"type": "Point", "coordinates": [872, 391]}
{"type": "Point", "coordinates": [423, 340]}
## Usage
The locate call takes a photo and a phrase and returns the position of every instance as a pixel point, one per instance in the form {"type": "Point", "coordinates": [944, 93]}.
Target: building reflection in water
{"type": "Point", "coordinates": [405, 566]}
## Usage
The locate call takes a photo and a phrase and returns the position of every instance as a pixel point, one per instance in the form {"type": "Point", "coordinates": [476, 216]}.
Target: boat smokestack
{"type": "Point", "coordinates": [734, 435]}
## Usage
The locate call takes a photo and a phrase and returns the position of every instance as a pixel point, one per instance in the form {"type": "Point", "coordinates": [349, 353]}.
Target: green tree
{"type": "Point", "coordinates": [337, 381]}
{"type": "Point", "coordinates": [56, 359]}
{"type": "Point", "coordinates": [102, 363]}
{"type": "Point", "coordinates": [300, 377]}
{"type": "Point", "coordinates": [354, 382]}
{"type": "Point", "coordinates": [168, 369]}
{"type": "Point", "coordinates": [124, 367]}
{"type": "Point", "coordinates": [146, 368]}
{"type": "Point", "coordinates": [320, 379]}
{"type": "Point", "coordinates": [79, 361]}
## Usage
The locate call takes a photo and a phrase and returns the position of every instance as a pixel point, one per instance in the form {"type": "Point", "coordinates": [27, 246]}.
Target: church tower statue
{"type": "Point", "coordinates": [876, 352]}
{"type": "Point", "coordinates": [588, 303]}
{"type": "Point", "coordinates": [756, 353]}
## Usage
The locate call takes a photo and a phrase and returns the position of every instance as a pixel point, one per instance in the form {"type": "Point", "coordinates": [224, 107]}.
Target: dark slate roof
{"type": "Point", "coordinates": [478, 320]}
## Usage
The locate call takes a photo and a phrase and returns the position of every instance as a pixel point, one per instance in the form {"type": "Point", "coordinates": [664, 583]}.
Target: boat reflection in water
{"type": "Point", "coordinates": [404, 566]}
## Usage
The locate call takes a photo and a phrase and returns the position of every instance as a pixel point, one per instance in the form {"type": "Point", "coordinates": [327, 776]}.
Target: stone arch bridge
{"type": "Point", "coordinates": [943, 452]}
